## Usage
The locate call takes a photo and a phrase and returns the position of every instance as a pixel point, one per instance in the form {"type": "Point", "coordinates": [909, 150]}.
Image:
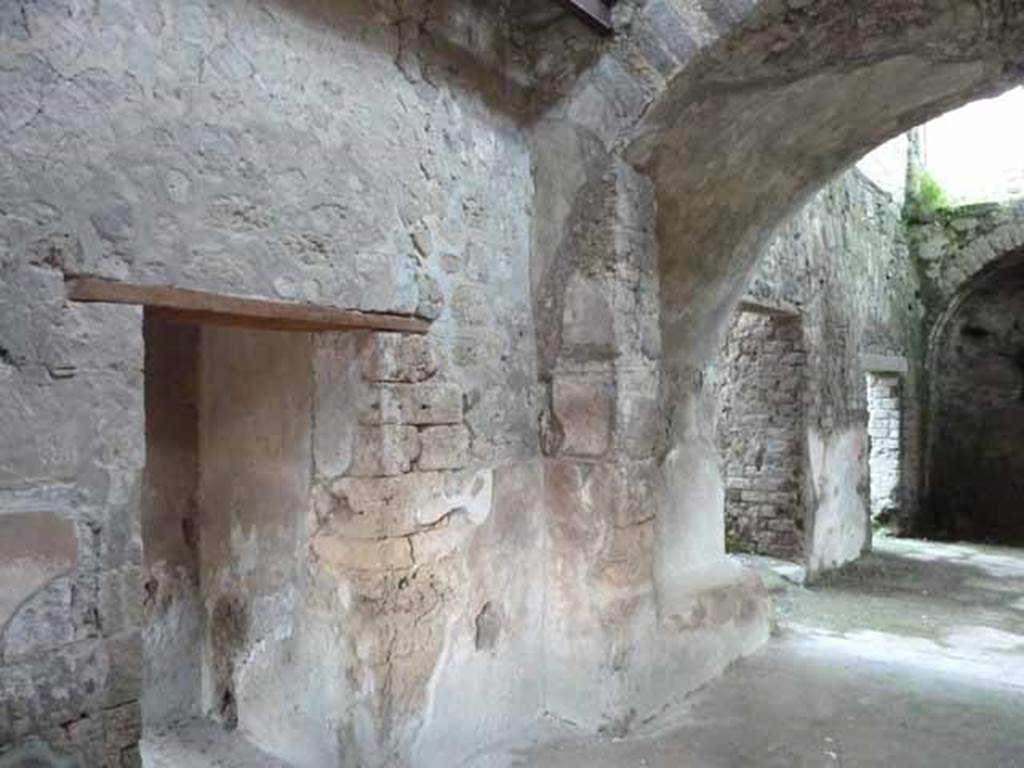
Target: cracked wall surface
{"type": "Point", "coordinates": [340, 579]}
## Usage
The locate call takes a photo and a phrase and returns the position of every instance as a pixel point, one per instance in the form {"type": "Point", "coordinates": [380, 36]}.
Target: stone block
{"type": "Point", "coordinates": [636, 492]}
{"type": "Point", "coordinates": [124, 676]}
{"type": "Point", "coordinates": [35, 548]}
{"type": "Point", "coordinates": [363, 554]}
{"type": "Point", "coordinates": [755, 496]}
{"type": "Point", "coordinates": [122, 729]}
{"type": "Point", "coordinates": [389, 449]}
{"type": "Point", "coordinates": [337, 388]}
{"type": "Point", "coordinates": [582, 406]}
{"type": "Point", "coordinates": [43, 622]}
{"type": "Point", "coordinates": [384, 507]}
{"type": "Point", "coordinates": [444, 447]}
{"type": "Point", "coordinates": [397, 357]}
{"type": "Point", "coordinates": [441, 541]}
{"type": "Point", "coordinates": [587, 319]}
{"type": "Point", "coordinates": [638, 421]}
{"type": "Point", "coordinates": [627, 558]}
{"type": "Point", "coordinates": [431, 298]}
{"type": "Point", "coordinates": [419, 404]}
{"type": "Point", "coordinates": [121, 599]}
{"type": "Point", "coordinates": [380, 507]}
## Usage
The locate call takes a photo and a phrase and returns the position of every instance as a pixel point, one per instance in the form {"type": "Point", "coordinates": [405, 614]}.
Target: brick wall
{"type": "Point", "coordinates": [762, 385]}
{"type": "Point", "coordinates": [884, 430]}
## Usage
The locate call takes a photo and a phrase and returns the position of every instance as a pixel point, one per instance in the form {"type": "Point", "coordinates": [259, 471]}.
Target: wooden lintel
{"type": "Point", "coordinates": [200, 307]}
{"type": "Point", "coordinates": [596, 13]}
{"type": "Point", "coordinates": [772, 308]}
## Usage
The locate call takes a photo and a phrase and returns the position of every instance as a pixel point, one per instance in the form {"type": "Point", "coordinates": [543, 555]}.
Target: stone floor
{"type": "Point", "coordinates": [202, 744]}
{"type": "Point", "coordinates": [912, 657]}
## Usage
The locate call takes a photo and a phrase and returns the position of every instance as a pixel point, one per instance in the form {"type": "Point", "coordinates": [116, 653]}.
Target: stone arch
{"type": "Point", "coordinates": [974, 398]}
{"type": "Point", "coordinates": [784, 97]}
{"type": "Point", "coordinates": [984, 260]}
{"type": "Point", "coordinates": [743, 136]}
{"type": "Point", "coordinates": [684, 142]}
{"type": "Point", "coordinates": [957, 245]}
{"type": "Point", "coordinates": [988, 252]}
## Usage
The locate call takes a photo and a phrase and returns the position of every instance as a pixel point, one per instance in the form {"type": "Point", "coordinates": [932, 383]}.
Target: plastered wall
{"type": "Point", "coordinates": [355, 155]}
{"type": "Point", "coordinates": [520, 186]}
{"type": "Point", "coordinates": [843, 268]}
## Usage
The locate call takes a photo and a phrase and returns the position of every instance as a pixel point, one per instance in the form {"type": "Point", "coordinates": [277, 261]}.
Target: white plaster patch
{"type": "Point", "coordinates": [840, 517]}
{"type": "Point", "coordinates": [470, 492]}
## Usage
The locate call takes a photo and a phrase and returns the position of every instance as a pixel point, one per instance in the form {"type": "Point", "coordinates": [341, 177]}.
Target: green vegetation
{"type": "Point", "coordinates": [931, 198]}
{"type": "Point", "coordinates": [931, 194]}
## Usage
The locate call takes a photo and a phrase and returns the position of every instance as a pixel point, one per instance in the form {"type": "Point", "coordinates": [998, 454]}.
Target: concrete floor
{"type": "Point", "coordinates": [912, 657]}
{"type": "Point", "coordinates": [203, 744]}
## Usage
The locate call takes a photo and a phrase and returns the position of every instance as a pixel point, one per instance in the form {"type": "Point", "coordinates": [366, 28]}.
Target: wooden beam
{"type": "Point", "coordinates": [761, 307]}
{"type": "Point", "coordinates": [596, 13]}
{"type": "Point", "coordinates": [200, 307]}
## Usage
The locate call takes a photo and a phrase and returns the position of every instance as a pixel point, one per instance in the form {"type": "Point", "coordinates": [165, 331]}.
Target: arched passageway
{"type": "Point", "coordinates": [686, 150]}
{"type": "Point", "coordinates": [975, 473]}
{"type": "Point", "coordinates": [741, 139]}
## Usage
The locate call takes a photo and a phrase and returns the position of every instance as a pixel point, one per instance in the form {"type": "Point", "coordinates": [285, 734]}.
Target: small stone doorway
{"type": "Point", "coordinates": [885, 430]}
{"type": "Point", "coordinates": [232, 385]}
{"type": "Point", "coordinates": [761, 432]}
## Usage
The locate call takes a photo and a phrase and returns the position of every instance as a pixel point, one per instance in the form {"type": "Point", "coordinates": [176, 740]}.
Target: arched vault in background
{"type": "Point", "coordinates": [762, 119]}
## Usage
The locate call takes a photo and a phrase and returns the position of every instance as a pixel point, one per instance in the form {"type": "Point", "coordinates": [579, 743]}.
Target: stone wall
{"type": "Point", "coordinates": [425, 578]}
{"type": "Point", "coordinates": [577, 246]}
{"type": "Point", "coordinates": [884, 433]}
{"type": "Point", "coordinates": [71, 454]}
{"type": "Point", "coordinates": [352, 154]}
{"type": "Point", "coordinates": [353, 573]}
{"type": "Point", "coordinates": [951, 246]}
{"type": "Point", "coordinates": [609, 660]}
{"type": "Point", "coordinates": [842, 263]}
{"type": "Point", "coordinates": [761, 433]}
{"type": "Point", "coordinates": [733, 144]}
